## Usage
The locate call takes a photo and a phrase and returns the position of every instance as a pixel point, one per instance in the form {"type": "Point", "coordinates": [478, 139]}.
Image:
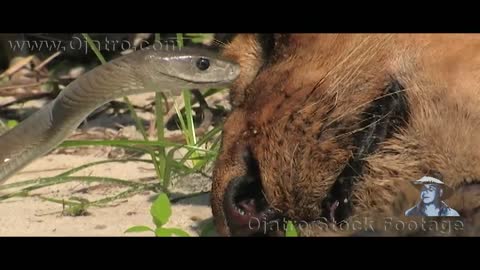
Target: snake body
{"type": "Point", "coordinates": [146, 70]}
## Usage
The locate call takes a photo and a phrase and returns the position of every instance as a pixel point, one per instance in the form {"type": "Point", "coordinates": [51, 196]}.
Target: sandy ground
{"type": "Point", "coordinates": [34, 216]}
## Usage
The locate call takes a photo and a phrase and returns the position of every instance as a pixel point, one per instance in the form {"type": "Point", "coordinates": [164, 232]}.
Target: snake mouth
{"type": "Point", "coordinates": [192, 81]}
{"type": "Point", "coordinates": [230, 74]}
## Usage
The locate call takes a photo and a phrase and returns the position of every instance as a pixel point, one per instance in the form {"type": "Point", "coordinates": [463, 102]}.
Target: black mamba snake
{"type": "Point", "coordinates": [147, 70]}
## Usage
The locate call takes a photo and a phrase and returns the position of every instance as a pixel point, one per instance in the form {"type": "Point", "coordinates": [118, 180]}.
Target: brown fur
{"type": "Point", "coordinates": [285, 112]}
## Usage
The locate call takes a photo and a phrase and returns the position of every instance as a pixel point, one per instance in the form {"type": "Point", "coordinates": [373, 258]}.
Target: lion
{"type": "Point", "coordinates": [326, 129]}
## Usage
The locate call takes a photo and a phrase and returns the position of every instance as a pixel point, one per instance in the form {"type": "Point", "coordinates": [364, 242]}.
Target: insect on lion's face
{"type": "Point", "coordinates": [304, 114]}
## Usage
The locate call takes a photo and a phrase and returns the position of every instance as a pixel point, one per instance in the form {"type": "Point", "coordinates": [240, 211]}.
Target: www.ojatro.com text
{"type": "Point", "coordinates": [79, 44]}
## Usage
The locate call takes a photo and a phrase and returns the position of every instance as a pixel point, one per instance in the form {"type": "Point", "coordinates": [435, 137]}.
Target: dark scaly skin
{"type": "Point", "coordinates": [143, 71]}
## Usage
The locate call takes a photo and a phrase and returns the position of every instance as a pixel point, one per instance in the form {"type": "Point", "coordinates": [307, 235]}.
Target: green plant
{"type": "Point", "coordinates": [291, 231]}
{"type": "Point", "coordinates": [12, 123]}
{"type": "Point", "coordinates": [200, 151]}
{"type": "Point", "coordinates": [168, 158]}
{"type": "Point", "coordinates": [160, 211]}
{"type": "Point", "coordinates": [6, 126]}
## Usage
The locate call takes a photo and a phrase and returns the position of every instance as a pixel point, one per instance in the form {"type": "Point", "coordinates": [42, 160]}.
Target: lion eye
{"type": "Point", "coordinates": [203, 64]}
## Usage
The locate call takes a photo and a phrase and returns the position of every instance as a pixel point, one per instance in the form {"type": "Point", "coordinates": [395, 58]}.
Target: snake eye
{"type": "Point", "coordinates": [203, 63]}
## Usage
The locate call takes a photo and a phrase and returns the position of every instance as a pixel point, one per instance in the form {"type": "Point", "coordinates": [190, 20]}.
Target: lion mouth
{"type": "Point", "coordinates": [247, 211]}
{"type": "Point", "coordinates": [383, 118]}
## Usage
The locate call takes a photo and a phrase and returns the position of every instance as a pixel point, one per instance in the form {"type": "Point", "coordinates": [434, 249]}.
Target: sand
{"type": "Point", "coordinates": [34, 216]}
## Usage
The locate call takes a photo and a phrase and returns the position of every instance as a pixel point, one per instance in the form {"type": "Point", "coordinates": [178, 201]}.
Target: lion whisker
{"type": "Point", "coordinates": [363, 128]}
{"type": "Point", "coordinates": [349, 112]}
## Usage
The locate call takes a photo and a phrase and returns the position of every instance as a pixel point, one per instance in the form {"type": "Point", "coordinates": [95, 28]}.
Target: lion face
{"type": "Point", "coordinates": [312, 115]}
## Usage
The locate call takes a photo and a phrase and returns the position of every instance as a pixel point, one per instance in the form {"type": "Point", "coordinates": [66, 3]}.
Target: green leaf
{"type": "Point", "coordinates": [291, 231]}
{"type": "Point", "coordinates": [126, 143]}
{"type": "Point", "coordinates": [169, 164]}
{"type": "Point", "coordinates": [138, 229]}
{"type": "Point", "coordinates": [12, 123]}
{"type": "Point", "coordinates": [207, 229]}
{"type": "Point", "coordinates": [163, 232]}
{"type": "Point", "coordinates": [75, 210]}
{"type": "Point", "coordinates": [187, 96]}
{"type": "Point", "coordinates": [180, 40]}
{"type": "Point", "coordinates": [199, 37]}
{"type": "Point", "coordinates": [161, 210]}
{"type": "Point", "coordinates": [179, 232]}
{"type": "Point", "coordinates": [94, 48]}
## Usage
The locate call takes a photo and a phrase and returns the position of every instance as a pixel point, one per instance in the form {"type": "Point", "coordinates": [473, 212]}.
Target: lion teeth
{"type": "Point", "coordinates": [240, 211]}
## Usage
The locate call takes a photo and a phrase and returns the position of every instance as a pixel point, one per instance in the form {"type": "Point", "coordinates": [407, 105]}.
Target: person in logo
{"type": "Point", "coordinates": [432, 191]}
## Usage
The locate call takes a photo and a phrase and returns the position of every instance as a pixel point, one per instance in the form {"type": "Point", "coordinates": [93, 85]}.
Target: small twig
{"type": "Point", "coordinates": [16, 86]}
{"type": "Point", "coordinates": [179, 137]}
{"type": "Point", "coordinates": [167, 106]}
{"type": "Point", "coordinates": [60, 201]}
{"type": "Point", "coordinates": [204, 174]}
{"type": "Point", "coordinates": [46, 61]}
{"type": "Point", "coordinates": [16, 67]}
{"type": "Point", "coordinates": [48, 214]}
{"type": "Point", "coordinates": [207, 112]}
{"type": "Point", "coordinates": [50, 181]}
{"type": "Point", "coordinates": [125, 194]}
{"type": "Point", "coordinates": [174, 200]}
{"type": "Point", "coordinates": [26, 98]}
